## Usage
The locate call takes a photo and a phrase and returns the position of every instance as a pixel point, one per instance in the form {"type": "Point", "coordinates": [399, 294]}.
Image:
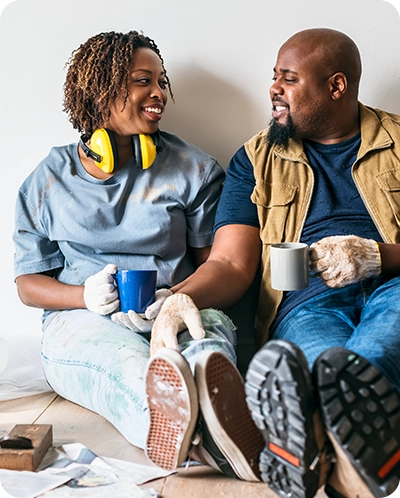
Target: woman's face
{"type": "Point", "coordinates": [147, 97]}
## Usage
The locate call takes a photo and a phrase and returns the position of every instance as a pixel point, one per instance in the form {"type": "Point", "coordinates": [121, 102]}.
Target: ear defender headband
{"type": "Point", "coordinates": [104, 151]}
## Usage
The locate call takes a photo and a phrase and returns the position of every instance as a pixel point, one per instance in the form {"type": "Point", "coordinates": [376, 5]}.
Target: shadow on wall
{"type": "Point", "coordinates": [213, 114]}
{"type": "Point", "coordinates": [392, 90]}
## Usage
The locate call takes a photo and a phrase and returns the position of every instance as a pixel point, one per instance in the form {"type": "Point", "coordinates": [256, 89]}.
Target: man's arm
{"type": "Point", "coordinates": [199, 254]}
{"type": "Point", "coordinates": [223, 279]}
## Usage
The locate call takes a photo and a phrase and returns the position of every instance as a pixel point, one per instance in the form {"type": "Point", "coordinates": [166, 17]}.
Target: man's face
{"type": "Point", "coordinates": [300, 96]}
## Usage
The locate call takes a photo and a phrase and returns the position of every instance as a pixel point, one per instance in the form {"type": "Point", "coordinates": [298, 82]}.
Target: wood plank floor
{"type": "Point", "coordinates": [72, 423]}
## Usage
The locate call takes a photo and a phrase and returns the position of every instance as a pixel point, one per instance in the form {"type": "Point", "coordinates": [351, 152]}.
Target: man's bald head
{"type": "Point", "coordinates": [336, 51]}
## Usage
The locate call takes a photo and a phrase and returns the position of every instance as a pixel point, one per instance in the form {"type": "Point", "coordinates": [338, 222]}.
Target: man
{"type": "Point", "coordinates": [325, 172]}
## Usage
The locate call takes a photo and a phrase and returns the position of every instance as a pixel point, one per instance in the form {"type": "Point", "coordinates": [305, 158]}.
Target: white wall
{"type": "Point", "coordinates": [219, 55]}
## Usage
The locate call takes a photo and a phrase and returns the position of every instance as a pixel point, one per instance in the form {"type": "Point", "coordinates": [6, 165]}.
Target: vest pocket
{"type": "Point", "coordinates": [389, 183]}
{"type": "Point", "coordinates": [273, 202]}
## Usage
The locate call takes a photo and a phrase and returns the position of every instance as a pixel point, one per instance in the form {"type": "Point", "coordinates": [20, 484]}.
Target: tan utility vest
{"type": "Point", "coordinates": [284, 186]}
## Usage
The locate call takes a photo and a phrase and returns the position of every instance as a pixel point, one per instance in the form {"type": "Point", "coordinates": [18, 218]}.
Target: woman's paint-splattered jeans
{"type": "Point", "coordinates": [100, 365]}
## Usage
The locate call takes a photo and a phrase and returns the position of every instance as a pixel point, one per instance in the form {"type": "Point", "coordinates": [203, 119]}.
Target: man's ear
{"type": "Point", "coordinates": [338, 85]}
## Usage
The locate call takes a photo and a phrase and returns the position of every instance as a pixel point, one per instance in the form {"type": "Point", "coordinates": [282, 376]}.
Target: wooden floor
{"type": "Point", "coordinates": [73, 424]}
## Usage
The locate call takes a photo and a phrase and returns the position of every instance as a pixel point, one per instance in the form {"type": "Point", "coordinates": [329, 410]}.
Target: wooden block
{"type": "Point", "coordinates": [41, 436]}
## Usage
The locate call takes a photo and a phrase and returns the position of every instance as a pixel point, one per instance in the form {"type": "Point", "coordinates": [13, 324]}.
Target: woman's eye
{"type": "Point", "coordinates": [144, 81]}
{"type": "Point", "coordinates": [163, 84]}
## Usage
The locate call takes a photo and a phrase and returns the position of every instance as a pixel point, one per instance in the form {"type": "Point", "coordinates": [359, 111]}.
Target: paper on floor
{"type": "Point", "coordinates": [24, 484]}
{"type": "Point", "coordinates": [75, 471]}
{"type": "Point", "coordinates": [92, 475]}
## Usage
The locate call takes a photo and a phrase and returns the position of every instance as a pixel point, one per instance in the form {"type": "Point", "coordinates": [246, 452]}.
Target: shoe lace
{"type": "Point", "coordinates": [196, 441]}
{"type": "Point", "coordinates": [325, 453]}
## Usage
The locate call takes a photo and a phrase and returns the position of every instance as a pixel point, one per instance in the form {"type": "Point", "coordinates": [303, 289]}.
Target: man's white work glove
{"type": "Point", "coordinates": [142, 322]}
{"type": "Point", "coordinates": [100, 293]}
{"type": "Point", "coordinates": [177, 313]}
{"type": "Point", "coordinates": [345, 259]}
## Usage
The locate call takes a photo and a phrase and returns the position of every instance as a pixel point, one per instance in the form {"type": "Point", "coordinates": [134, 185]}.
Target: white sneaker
{"type": "Point", "coordinates": [230, 436]}
{"type": "Point", "coordinates": [173, 406]}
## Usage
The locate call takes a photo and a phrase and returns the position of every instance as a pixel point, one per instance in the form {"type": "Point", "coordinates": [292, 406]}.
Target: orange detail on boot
{"type": "Point", "coordinates": [284, 454]}
{"type": "Point", "coordinates": [388, 466]}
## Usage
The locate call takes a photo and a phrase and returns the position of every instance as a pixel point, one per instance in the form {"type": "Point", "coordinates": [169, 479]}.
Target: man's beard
{"type": "Point", "coordinates": [279, 134]}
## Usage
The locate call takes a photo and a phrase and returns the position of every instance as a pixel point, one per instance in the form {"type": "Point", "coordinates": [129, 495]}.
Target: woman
{"type": "Point", "coordinates": [127, 196]}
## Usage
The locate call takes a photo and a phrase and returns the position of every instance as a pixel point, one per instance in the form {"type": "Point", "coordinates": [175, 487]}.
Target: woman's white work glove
{"type": "Point", "coordinates": [142, 322]}
{"type": "Point", "coordinates": [345, 259]}
{"type": "Point", "coordinates": [177, 313]}
{"type": "Point", "coordinates": [100, 293]}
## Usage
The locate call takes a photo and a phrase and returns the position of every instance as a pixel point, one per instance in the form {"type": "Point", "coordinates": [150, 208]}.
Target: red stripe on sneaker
{"type": "Point", "coordinates": [284, 454]}
{"type": "Point", "coordinates": [388, 466]}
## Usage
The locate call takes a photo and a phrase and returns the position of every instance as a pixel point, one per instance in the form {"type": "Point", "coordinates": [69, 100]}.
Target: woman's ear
{"type": "Point", "coordinates": [338, 85]}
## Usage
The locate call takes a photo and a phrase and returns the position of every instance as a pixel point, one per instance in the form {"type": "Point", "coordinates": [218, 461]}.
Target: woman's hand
{"type": "Point", "coordinates": [137, 322]}
{"type": "Point", "coordinates": [100, 292]}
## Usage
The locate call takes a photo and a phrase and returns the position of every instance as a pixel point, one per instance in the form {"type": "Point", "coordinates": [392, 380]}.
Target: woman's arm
{"type": "Point", "coordinates": [44, 291]}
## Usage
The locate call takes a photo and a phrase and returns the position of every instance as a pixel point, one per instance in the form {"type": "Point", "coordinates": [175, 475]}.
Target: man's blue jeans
{"type": "Point", "coordinates": [362, 317]}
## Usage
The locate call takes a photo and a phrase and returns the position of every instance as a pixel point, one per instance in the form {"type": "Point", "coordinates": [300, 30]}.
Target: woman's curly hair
{"type": "Point", "coordinates": [98, 72]}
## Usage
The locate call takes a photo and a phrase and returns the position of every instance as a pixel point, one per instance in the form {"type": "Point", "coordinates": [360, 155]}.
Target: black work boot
{"type": "Point", "coordinates": [361, 412]}
{"type": "Point", "coordinates": [295, 461]}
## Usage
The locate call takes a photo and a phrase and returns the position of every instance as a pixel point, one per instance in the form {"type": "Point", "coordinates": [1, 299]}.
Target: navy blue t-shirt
{"type": "Point", "coordinates": [336, 207]}
{"type": "Point", "coordinates": [234, 205]}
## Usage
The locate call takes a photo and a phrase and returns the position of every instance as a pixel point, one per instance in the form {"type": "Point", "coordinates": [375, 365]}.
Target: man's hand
{"type": "Point", "coordinates": [137, 322]}
{"type": "Point", "coordinates": [100, 293]}
{"type": "Point", "coordinates": [345, 259]}
{"type": "Point", "coordinates": [177, 313]}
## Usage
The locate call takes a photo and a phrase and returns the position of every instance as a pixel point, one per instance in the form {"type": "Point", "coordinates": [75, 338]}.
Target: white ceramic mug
{"type": "Point", "coordinates": [289, 266]}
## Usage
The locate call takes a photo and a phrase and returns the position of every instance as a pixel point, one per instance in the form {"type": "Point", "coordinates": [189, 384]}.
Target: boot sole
{"type": "Point", "coordinates": [361, 410]}
{"type": "Point", "coordinates": [281, 398]}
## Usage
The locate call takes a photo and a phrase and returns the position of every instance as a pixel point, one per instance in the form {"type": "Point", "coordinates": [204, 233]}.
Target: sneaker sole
{"type": "Point", "coordinates": [173, 406]}
{"type": "Point", "coordinates": [281, 398]}
{"type": "Point", "coordinates": [225, 412]}
{"type": "Point", "coordinates": [361, 410]}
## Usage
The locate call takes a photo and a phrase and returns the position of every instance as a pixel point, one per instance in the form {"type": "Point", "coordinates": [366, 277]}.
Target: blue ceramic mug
{"type": "Point", "coordinates": [136, 289]}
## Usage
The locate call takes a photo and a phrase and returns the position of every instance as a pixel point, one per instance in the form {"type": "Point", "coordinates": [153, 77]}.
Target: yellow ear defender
{"type": "Point", "coordinates": [148, 151]}
{"type": "Point", "coordinates": [104, 151]}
